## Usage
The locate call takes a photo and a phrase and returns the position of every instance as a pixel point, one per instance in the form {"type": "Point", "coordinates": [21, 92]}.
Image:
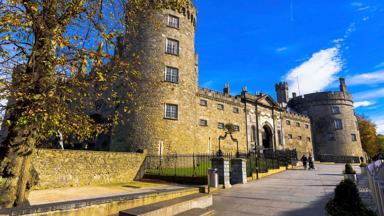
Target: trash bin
{"type": "Point", "coordinates": [213, 178]}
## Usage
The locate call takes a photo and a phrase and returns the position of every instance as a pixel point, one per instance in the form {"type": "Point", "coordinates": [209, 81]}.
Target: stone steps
{"type": "Point", "coordinates": [189, 205]}
{"type": "Point", "coordinates": [198, 212]}
{"type": "Point", "coordinates": [110, 205]}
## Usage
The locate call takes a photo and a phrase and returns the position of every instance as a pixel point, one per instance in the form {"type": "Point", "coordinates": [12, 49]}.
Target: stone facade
{"type": "Point", "coordinates": [200, 113]}
{"type": "Point", "coordinates": [66, 168]}
{"type": "Point", "coordinates": [334, 124]}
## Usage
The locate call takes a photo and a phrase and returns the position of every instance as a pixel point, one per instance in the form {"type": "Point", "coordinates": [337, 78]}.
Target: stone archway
{"type": "Point", "coordinates": [267, 137]}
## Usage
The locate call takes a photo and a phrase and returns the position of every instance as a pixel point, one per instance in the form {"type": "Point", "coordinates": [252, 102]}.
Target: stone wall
{"type": "Point", "coordinates": [327, 139]}
{"type": "Point", "coordinates": [67, 168]}
{"type": "Point", "coordinates": [214, 116]}
{"type": "Point", "coordinates": [297, 133]}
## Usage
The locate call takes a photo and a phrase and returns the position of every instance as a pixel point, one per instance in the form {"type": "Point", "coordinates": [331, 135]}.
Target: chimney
{"type": "Point", "coordinates": [343, 87]}
{"type": "Point", "coordinates": [294, 94]}
{"type": "Point", "coordinates": [226, 89]}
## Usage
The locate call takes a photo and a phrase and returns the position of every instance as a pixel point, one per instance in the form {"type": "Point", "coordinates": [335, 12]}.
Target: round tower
{"type": "Point", "coordinates": [334, 125]}
{"type": "Point", "coordinates": [160, 45]}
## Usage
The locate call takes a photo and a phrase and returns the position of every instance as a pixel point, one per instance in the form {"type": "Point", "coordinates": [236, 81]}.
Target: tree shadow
{"type": "Point", "coordinates": [316, 208]}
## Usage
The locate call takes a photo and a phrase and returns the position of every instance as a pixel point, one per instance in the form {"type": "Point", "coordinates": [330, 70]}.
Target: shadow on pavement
{"type": "Point", "coordinates": [316, 208]}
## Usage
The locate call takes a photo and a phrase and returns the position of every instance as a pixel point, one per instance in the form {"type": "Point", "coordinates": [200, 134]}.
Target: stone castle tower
{"type": "Point", "coordinates": [164, 109]}
{"type": "Point", "coordinates": [282, 92]}
{"type": "Point", "coordinates": [334, 124]}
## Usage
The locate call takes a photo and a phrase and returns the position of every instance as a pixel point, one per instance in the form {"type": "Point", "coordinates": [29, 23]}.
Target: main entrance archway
{"type": "Point", "coordinates": [267, 137]}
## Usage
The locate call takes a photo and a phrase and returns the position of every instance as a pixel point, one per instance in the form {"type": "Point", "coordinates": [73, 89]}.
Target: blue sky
{"type": "Point", "coordinates": [256, 43]}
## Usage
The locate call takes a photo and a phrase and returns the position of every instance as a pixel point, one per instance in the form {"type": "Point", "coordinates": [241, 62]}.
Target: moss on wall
{"type": "Point", "coordinates": [66, 168]}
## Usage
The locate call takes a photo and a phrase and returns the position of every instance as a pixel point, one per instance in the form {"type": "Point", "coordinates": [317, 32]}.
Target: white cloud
{"type": "Point", "coordinates": [367, 78]}
{"type": "Point", "coordinates": [379, 121]}
{"type": "Point", "coordinates": [363, 104]}
{"type": "Point", "coordinates": [357, 4]}
{"type": "Point", "coordinates": [372, 94]}
{"type": "Point", "coordinates": [281, 49]}
{"type": "Point", "coordinates": [380, 65]}
{"type": "Point", "coordinates": [316, 73]}
{"type": "Point", "coordinates": [207, 84]}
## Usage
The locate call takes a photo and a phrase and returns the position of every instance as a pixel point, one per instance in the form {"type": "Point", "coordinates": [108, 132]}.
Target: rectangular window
{"type": "Point", "coordinates": [173, 21]}
{"type": "Point", "coordinates": [300, 137]}
{"type": "Point", "coordinates": [309, 139]}
{"type": "Point", "coordinates": [171, 111]}
{"type": "Point", "coordinates": [338, 124]}
{"type": "Point", "coordinates": [203, 122]}
{"type": "Point", "coordinates": [236, 127]}
{"type": "Point", "coordinates": [288, 122]}
{"type": "Point", "coordinates": [171, 74]}
{"type": "Point", "coordinates": [220, 125]}
{"type": "Point", "coordinates": [235, 110]}
{"type": "Point", "coordinates": [203, 102]}
{"type": "Point", "coordinates": [354, 137]}
{"type": "Point", "coordinates": [331, 137]}
{"type": "Point", "coordinates": [298, 124]}
{"type": "Point", "coordinates": [279, 135]}
{"type": "Point", "coordinates": [306, 126]}
{"type": "Point", "coordinates": [172, 47]}
{"type": "Point", "coordinates": [290, 136]}
{"type": "Point", "coordinates": [336, 110]}
{"type": "Point", "coordinates": [220, 106]}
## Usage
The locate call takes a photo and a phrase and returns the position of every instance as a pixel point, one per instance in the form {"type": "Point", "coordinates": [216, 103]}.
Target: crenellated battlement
{"type": "Point", "coordinates": [219, 96]}
{"type": "Point", "coordinates": [184, 7]}
{"type": "Point", "coordinates": [322, 97]}
{"type": "Point", "coordinates": [298, 116]}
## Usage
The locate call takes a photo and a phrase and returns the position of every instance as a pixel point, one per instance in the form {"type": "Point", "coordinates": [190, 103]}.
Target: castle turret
{"type": "Point", "coordinates": [334, 125]}
{"type": "Point", "coordinates": [163, 114]}
{"type": "Point", "coordinates": [343, 86]}
{"type": "Point", "coordinates": [282, 92]}
{"type": "Point", "coordinates": [226, 89]}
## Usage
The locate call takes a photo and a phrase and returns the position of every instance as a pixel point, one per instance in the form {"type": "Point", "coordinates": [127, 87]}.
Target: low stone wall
{"type": "Point", "coordinates": [67, 168]}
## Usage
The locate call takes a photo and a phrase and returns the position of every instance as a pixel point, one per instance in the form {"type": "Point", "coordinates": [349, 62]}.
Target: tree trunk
{"type": "Point", "coordinates": [37, 78]}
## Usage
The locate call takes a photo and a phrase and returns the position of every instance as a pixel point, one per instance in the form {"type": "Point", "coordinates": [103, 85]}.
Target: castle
{"type": "Point", "coordinates": [172, 114]}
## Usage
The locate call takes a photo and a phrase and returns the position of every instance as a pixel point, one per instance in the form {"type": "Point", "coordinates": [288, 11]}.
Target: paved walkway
{"type": "Point", "coordinates": [291, 193]}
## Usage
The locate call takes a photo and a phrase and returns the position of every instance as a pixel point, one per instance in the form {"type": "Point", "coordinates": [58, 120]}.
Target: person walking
{"type": "Point", "coordinates": [311, 162]}
{"type": "Point", "coordinates": [304, 159]}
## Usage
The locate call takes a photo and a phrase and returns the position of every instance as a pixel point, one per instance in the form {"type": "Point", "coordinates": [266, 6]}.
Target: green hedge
{"type": "Point", "coordinates": [347, 201]}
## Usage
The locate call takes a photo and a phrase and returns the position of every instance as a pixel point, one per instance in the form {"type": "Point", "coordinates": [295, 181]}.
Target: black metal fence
{"type": "Point", "coordinates": [193, 168]}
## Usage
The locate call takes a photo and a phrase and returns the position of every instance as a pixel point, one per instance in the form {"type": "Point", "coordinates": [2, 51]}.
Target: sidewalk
{"type": "Point", "coordinates": [291, 193]}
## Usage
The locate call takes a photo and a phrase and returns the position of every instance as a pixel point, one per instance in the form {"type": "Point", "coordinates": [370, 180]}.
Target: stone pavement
{"type": "Point", "coordinates": [291, 193]}
{"type": "Point", "coordinates": [365, 193]}
{"type": "Point", "coordinates": [58, 195]}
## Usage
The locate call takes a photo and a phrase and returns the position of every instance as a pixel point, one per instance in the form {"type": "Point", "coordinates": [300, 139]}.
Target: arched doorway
{"type": "Point", "coordinates": [267, 137]}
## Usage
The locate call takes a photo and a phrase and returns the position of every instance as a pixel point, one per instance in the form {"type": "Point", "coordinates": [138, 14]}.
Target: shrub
{"type": "Point", "coordinates": [347, 201]}
{"type": "Point", "coordinates": [363, 164]}
{"type": "Point", "coordinates": [349, 169]}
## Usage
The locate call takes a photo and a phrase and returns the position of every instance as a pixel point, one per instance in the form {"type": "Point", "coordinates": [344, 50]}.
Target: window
{"type": "Point", "coordinates": [172, 47]}
{"type": "Point", "coordinates": [336, 110]}
{"type": "Point", "coordinates": [253, 133]}
{"type": "Point", "coordinates": [172, 74]}
{"type": "Point", "coordinates": [289, 136]}
{"type": "Point", "coordinates": [279, 135]}
{"type": "Point", "coordinates": [299, 137]}
{"type": "Point", "coordinates": [236, 127]}
{"type": "Point", "coordinates": [331, 137]}
{"type": "Point", "coordinates": [235, 110]}
{"type": "Point", "coordinates": [173, 21]}
{"type": "Point", "coordinates": [298, 124]}
{"type": "Point", "coordinates": [288, 122]}
{"type": "Point", "coordinates": [203, 122]}
{"type": "Point", "coordinates": [220, 125]}
{"type": "Point", "coordinates": [306, 126]}
{"type": "Point", "coordinates": [203, 102]}
{"type": "Point", "coordinates": [309, 139]}
{"type": "Point", "coordinates": [220, 106]}
{"type": "Point", "coordinates": [338, 124]}
{"type": "Point", "coordinates": [354, 137]}
{"type": "Point", "coordinates": [171, 111]}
